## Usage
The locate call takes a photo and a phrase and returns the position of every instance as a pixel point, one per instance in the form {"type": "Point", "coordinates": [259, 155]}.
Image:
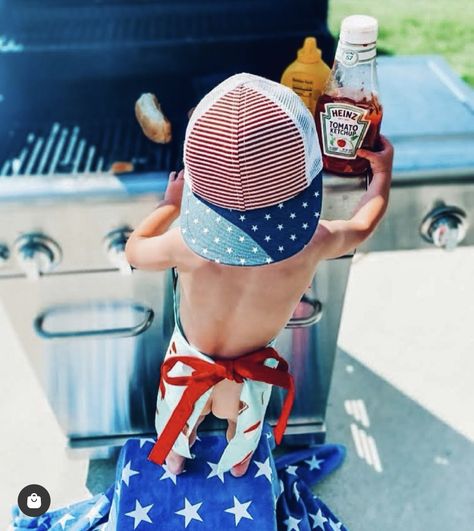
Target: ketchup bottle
{"type": "Point", "coordinates": [348, 114]}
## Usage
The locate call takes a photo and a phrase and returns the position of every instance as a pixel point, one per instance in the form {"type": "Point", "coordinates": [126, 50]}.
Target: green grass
{"type": "Point", "coordinates": [406, 27]}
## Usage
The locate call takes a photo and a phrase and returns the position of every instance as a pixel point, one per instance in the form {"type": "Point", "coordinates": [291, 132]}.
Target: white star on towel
{"type": "Point", "coordinates": [316, 214]}
{"type": "Point", "coordinates": [208, 210]}
{"type": "Point", "coordinates": [217, 239]}
{"type": "Point", "coordinates": [65, 519]}
{"type": "Point", "coordinates": [334, 526]}
{"type": "Point", "coordinates": [127, 473]}
{"type": "Point", "coordinates": [291, 469]}
{"type": "Point", "coordinates": [292, 215]}
{"type": "Point", "coordinates": [254, 249]}
{"type": "Point", "coordinates": [267, 216]}
{"type": "Point", "coordinates": [296, 491]}
{"type": "Point", "coordinates": [292, 524]}
{"type": "Point", "coordinates": [195, 220]}
{"type": "Point", "coordinates": [318, 520]}
{"type": "Point", "coordinates": [242, 218]}
{"type": "Point", "coordinates": [205, 230]}
{"type": "Point", "coordinates": [241, 239]}
{"type": "Point", "coordinates": [255, 228]}
{"type": "Point", "coordinates": [140, 514]}
{"type": "Point", "coordinates": [190, 512]}
{"type": "Point", "coordinates": [94, 513]}
{"type": "Point", "coordinates": [281, 248]}
{"type": "Point", "coordinates": [264, 469]}
{"type": "Point", "coordinates": [214, 471]}
{"type": "Point", "coordinates": [268, 260]}
{"type": "Point", "coordinates": [229, 250]}
{"type": "Point", "coordinates": [305, 204]}
{"type": "Point", "coordinates": [205, 251]}
{"type": "Point", "coordinates": [314, 463]}
{"type": "Point", "coordinates": [267, 238]}
{"type": "Point", "coordinates": [293, 237]}
{"type": "Point", "coordinates": [280, 205]}
{"type": "Point", "coordinates": [239, 510]}
{"type": "Point", "coordinates": [229, 229]}
{"type": "Point", "coordinates": [168, 475]}
{"type": "Point", "coordinates": [242, 261]}
{"type": "Point", "coordinates": [280, 226]}
{"type": "Point", "coordinates": [316, 194]}
{"type": "Point", "coordinates": [305, 226]}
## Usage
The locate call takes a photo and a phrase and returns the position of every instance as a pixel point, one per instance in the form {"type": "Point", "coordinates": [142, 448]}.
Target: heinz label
{"type": "Point", "coordinates": [343, 129]}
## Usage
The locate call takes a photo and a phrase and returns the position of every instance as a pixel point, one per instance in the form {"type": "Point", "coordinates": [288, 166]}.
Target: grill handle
{"type": "Point", "coordinates": [40, 325]}
{"type": "Point", "coordinates": [312, 318]}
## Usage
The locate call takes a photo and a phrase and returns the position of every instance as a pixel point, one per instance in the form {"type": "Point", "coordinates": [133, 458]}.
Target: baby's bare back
{"type": "Point", "coordinates": [228, 311]}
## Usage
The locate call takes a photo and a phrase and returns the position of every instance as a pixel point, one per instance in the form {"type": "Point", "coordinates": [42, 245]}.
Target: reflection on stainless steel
{"type": "Point", "coordinates": [445, 226]}
{"type": "Point", "coordinates": [37, 254]}
{"type": "Point", "coordinates": [302, 318]}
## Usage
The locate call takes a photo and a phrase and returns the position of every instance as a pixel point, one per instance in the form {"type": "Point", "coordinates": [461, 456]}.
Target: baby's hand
{"type": "Point", "coordinates": [380, 161]}
{"type": "Point", "coordinates": [174, 190]}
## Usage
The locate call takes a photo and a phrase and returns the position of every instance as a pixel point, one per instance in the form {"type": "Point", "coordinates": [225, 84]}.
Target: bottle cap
{"type": "Point", "coordinates": [359, 29]}
{"type": "Point", "coordinates": [309, 53]}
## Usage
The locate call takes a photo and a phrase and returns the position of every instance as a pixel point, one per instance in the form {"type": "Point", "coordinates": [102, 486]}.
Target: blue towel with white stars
{"type": "Point", "coordinates": [274, 494]}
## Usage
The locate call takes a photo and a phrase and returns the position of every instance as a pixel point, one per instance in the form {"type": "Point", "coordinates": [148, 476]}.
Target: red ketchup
{"type": "Point", "coordinates": [349, 114]}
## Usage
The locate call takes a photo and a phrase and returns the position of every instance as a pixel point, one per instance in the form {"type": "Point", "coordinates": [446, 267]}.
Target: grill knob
{"type": "Point", "coordinates": [115, 248]}
{"type": "Point", "coordinates": [4, 255]}
{"type": "Point", "coordinates": [37, 254]}
{"type": "Point", "coordinates": [445, 226]}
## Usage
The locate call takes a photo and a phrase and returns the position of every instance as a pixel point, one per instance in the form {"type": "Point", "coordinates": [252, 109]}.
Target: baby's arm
{"type": "Point", "coordinates": [151, 246]}
{"type": "Point", "coordinates": [344, 236]}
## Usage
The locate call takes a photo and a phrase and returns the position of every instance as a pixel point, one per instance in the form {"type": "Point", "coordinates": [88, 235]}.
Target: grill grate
{"type": "Point", "coordinates": [77, 149]}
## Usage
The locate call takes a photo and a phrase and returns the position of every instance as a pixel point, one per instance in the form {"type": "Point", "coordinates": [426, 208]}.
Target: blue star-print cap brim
{"type": "Point", "coordinates": [252, 237]}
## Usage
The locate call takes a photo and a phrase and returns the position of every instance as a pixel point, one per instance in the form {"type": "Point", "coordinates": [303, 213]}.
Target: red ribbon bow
{"type": "Point", "coordinates": [207, 374]}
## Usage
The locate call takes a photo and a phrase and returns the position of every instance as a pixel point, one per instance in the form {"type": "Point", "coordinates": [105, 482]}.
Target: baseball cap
{"type": "Point", "coordinates": [253, 173]}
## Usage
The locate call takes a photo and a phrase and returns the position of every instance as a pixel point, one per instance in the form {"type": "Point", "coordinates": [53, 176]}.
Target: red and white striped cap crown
{"type": "Point", "coordinates": [250, 143]}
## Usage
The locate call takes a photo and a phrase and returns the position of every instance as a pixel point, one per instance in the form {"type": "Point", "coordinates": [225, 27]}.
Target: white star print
{"type": "Point", "coordinates": [281, 248]}
{"type": "Point", "coordinates": [183, 230]}
{"type": "Point", "coordinates": [64, 520]}
{"type": "Point", "coordinates": [280, 226]}
{"type": "Point", "coordinates": [316, 214]}
{"type": "Point", "coordinates": [168, 474]}
{"type": "Point", "coordinates": [292, 524]}
{"type": "Point", "coordinates": [229, 250]}
{"type": "Point", "coordinates": [217, 239]}
{"type": "Point", "coordinates": [144, 441]}
{"type": "Point", "coordinates": [195, 220]}
{"type": "Point", "coordinates": [239, 510]}
{"type": "Point", "coordinates": [241, 239]}
{"type": "Point", "coordinates": [140, 514]}
{"type": "Point", "coordinates": [217, 261]}
{"type": "Point", "coordinates": [242, 260]}
{"type": "Point", "coordinates": [214, 472]}
{"type": "Point", "coordinates": [190, 512]}
{"type": "Point", "coordinates": [229, 229]}
{"type": "Point", "coordinates": [193, 240]}
{"type": "Point", "coordinates": [127, 473]}
{"type": "Point", "coordinates": [305, 226]}
{"type": "Point", "coordinates": [292, 215]}
{"type": "Point", "coordinates": [280, 205]}
{"type": "Point", "coordinates": [254, 249]}
{"type": "Point", "coordinates": [291, 469]}
{"type": "Point", "coordinates": [94, 513]}
{"type": "Point", "coordinates": [186, 211]}
{"type": "Point", "coordinates": [218, 219]}
{"type": "Point", "coordinates": [316, 194]}
{"type": "Point", "coordinates": [255, 228]}
{"type": "Point", "coordinates": [318, 520]}
{"type": "Point", "coordinates": [208, 210]}
{"type": "Point", "coordinates": [268, 260]}
{"type": "Point", "coordinates": [305, 204]}
{"type": "Point", "coordinates": [293, 237]}
{"type": "Point", "coordinates": [267, 216]}
{"type": "Point", "coordinates": [205, 230]}
{"type": "Point", "coordinates": [267, 238]}
{"type": "Point", "coordinates": [204, 251]}
{"type": "Point", "coordinates": [296, 491]}
{"type": "Point", "coordinates": [314, 463]}
{"type": "Point", "coordinates": [334, 526]}
{"type": "Point", "coordinates": [242, 218]}
{"type": "Point", "coordinates": [264, 469]}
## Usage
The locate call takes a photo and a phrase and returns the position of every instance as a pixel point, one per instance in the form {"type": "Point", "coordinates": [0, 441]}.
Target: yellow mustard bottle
{"type": "Point", "coordinates": [307, 75]}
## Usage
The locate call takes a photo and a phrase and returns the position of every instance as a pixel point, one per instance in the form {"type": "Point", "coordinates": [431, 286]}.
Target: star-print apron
{"type": "Point", "coordinates": [187, 379]}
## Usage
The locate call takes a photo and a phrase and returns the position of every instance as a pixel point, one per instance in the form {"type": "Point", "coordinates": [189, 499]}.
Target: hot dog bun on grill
{"type": "Point", "coordinates": [153, 122]}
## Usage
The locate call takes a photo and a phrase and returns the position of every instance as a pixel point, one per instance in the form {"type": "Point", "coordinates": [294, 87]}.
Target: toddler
{"type": "Point", "coordinates": [249, 240]}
